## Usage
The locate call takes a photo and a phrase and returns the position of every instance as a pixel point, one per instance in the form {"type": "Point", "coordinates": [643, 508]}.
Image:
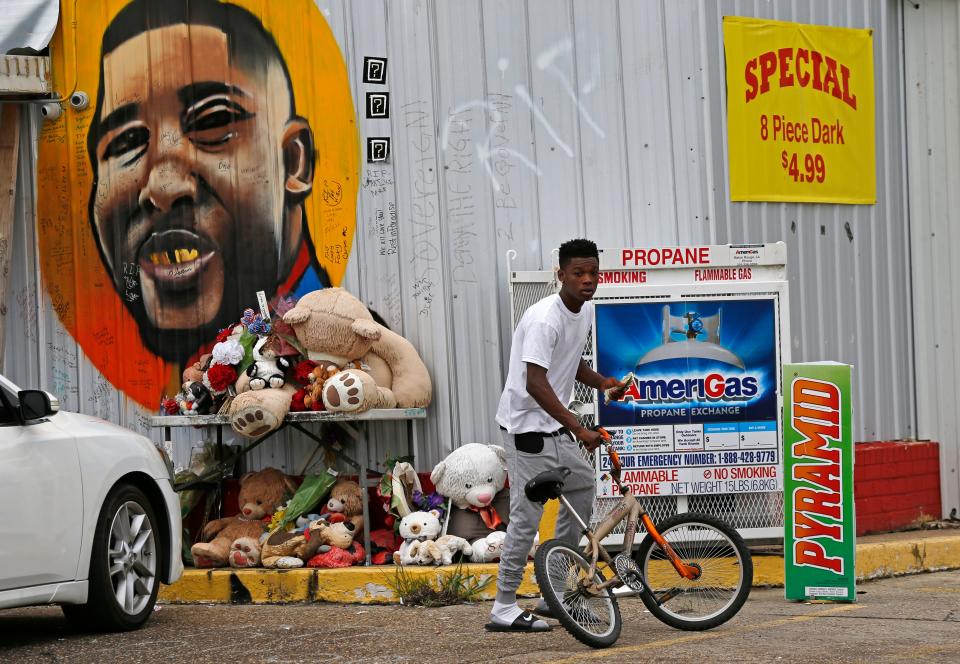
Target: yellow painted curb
{"type": "Point", "coordinates": [350, 585]}
{"type": "Point", "coordinates": [880, 559]}
{"type": "Point", "coordinates": [767, 571]}
{"type": "Point", "coordinates": [371, 585]}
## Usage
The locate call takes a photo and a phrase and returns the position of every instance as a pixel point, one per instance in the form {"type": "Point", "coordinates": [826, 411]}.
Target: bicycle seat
{"type": "Point", "coordinates": [546, 485]}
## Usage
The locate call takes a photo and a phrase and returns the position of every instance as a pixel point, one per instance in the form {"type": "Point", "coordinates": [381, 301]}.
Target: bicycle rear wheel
{"type": "Point", "coordinates": [593, 619]}
{"type": "Point", "coordinates": [726, 572]}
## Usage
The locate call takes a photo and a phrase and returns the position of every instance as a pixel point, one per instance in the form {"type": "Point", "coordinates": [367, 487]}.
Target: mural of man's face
{"type": "Point", "coordinates": [201, 170]}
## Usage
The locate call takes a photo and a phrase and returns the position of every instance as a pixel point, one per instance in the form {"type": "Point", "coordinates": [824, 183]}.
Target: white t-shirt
{"type": "Point", "coordinates": [552, 336]}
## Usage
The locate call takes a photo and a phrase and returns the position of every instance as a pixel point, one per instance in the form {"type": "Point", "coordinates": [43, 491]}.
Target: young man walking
{"type": "Point", "coordinates": [539, 432]}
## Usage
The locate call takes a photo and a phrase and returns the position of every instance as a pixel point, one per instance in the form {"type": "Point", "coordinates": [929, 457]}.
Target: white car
{"type": "Point", "coordinates": [88, 515]}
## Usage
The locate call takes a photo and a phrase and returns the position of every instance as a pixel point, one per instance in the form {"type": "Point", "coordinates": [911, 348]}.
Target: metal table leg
{"type": "Point", "coordinates": [364, 454]}
{"type": "Point", "coordinates": [410, 445]}
{"type": "Point", "coordinates": [220, 482]}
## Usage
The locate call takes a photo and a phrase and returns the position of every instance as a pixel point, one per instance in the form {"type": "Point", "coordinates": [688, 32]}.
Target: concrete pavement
{"type": "Point", "coordinates": [878, 556]}
{"type": "Point", "coordinates": [914, 618]}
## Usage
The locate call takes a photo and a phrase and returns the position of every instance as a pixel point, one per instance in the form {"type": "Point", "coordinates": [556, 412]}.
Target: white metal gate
{"type": "Point", "coordinates": [754, 515]}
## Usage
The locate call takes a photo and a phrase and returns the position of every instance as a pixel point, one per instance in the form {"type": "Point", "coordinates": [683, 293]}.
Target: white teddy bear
{"type": "Point", "coordinates": [471, 475]}
{"type": "Point", "coordinates": [489, 549]}
{"type": "Point", "coordinates": [421, 544]}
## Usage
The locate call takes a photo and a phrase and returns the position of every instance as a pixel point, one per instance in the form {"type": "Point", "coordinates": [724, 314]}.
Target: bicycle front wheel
{"type": "Point", "coordinates": [724, 562]}
{"type": "Point", "coordinates": [592, 618]}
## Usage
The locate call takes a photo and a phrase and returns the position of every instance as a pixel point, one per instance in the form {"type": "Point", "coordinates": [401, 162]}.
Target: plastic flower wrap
{"type": "Point", "coordinates": [228, 352]}
{"type": "Point", "coordinates": [397, 488]}
{"type": "Point", "coordinates": [281, 305]}
{"type": "Point", "coordinates": [312, 491]}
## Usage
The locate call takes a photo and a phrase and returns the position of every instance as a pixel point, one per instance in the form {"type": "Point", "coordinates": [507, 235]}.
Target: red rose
{"type": "Point", "coordinates": [302, 371]}
{"type": "Point", "coordinates": [170, 407]}
{"type": "Point", "coordinates": [225, 333]}
{"type": "Point", "coordinates": [296, 404]}
{"type": "Point", "coordinates": [221, 376]}
{"type": "Point", "coordinates": [388, 521]}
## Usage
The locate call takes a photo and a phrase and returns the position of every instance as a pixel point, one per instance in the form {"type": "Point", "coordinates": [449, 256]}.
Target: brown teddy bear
{"type": "Point", "coordinates": [244, 552]}
{"type": "Point", "coordinates": [333, 325]}
{"type": "Point", "coordinates": [260, 494]}
{"type": "Point", "coordinates": [274, 404]}
{"type": "Point", "coordinates": [345, 504]}
{"type": "Point", "coordinates": [313, 399]}
{"type": "Point", "coordinates": [194, 373]}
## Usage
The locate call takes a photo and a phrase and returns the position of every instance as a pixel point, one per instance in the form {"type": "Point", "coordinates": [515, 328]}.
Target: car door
{"type": "Point", "coordinates": [41, 499]}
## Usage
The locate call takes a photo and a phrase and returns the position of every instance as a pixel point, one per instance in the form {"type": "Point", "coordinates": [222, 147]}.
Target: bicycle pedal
{"type": "Point", "coordinates": [628, 571]}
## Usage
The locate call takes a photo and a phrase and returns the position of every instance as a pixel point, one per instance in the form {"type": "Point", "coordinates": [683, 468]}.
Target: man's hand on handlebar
{"type": "Point", "coordinates": [591, 439]}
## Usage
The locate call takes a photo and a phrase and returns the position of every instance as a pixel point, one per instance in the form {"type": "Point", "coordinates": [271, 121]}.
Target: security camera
{"type": "Point", "coordinates": [51, 111]}
{"type": "Point", "coordinates": [79, 100]}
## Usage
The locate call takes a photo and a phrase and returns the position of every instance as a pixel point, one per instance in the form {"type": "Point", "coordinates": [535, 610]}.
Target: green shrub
{"type": "Point", "coordinates": [455, 587]}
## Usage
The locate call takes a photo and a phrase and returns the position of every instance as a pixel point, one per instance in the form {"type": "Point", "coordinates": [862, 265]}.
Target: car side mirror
{"type": "Point", "coordinates": [35, 405]}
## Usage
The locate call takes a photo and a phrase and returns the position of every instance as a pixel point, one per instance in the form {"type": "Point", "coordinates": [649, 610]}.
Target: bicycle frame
{"type": "Point", "coordinates": [632, 510]}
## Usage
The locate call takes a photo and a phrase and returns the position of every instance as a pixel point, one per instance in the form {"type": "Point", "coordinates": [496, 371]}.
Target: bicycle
{"type": "Point", "coordinates": [693, 571]}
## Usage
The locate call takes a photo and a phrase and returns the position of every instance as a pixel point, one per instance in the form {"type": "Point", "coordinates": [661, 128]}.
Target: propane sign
{"type": "Point", "coordinates": [701, 414]}
{"type": "Point", "coordinates": [819, 523]}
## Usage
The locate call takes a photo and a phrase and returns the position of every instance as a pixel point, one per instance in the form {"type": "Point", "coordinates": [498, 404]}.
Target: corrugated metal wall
{"type": "Point", "coordinates": [520, 124]}
{"type": "Point", "coordinates": [932, 47]}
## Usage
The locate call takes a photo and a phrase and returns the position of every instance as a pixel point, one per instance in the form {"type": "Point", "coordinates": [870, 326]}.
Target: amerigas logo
{"type": "Point", "coordinates": [714, 386]}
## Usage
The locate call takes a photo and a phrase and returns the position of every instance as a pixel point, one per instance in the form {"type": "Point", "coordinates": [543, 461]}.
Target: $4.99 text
{"type": "Point", "coordinates": [811, 169]}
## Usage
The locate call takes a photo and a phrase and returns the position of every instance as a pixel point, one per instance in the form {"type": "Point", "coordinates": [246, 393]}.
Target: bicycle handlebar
{"type": "Point", "coordinates": [615, 465]}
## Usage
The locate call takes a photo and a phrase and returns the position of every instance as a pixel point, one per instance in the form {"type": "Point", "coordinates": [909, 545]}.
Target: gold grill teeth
{"type": "Point", "coordinates": [175, 256]}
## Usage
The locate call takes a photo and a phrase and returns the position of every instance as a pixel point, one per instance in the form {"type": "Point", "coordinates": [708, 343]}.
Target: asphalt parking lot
{"type": "Point", "coordinates": [909, 618]}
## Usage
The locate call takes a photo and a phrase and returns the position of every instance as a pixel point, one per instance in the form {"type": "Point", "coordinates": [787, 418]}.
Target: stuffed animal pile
{"type": "Point", "coordinates": [323, 352]}
{"type": "Point", "coordinates": [321, 544]}
{"type": "Point", "coordinates": [424, 545]}
{"type": "Point", "coordinates": [472, 479]}
{"type": "Point", "coordinates": [236, 540]}
{"type": "Point", "coordinates": [255, 537]}
{"type": "Point", "coordinates": [326, 352]}
{"type": "Point", "coordinates": [464, 520]}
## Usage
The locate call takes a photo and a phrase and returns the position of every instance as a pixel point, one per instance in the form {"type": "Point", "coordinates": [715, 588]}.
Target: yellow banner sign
{"type": "Point", "coordinates": [800, 117]}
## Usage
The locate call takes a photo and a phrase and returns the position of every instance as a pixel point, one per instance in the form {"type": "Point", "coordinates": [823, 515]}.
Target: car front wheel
{"type": "Point", "coordinates": [123, 565]}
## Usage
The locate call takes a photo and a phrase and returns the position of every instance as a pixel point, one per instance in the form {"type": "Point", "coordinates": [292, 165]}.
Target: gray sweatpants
{"type": "Point", "coordinates": [579, 489]}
